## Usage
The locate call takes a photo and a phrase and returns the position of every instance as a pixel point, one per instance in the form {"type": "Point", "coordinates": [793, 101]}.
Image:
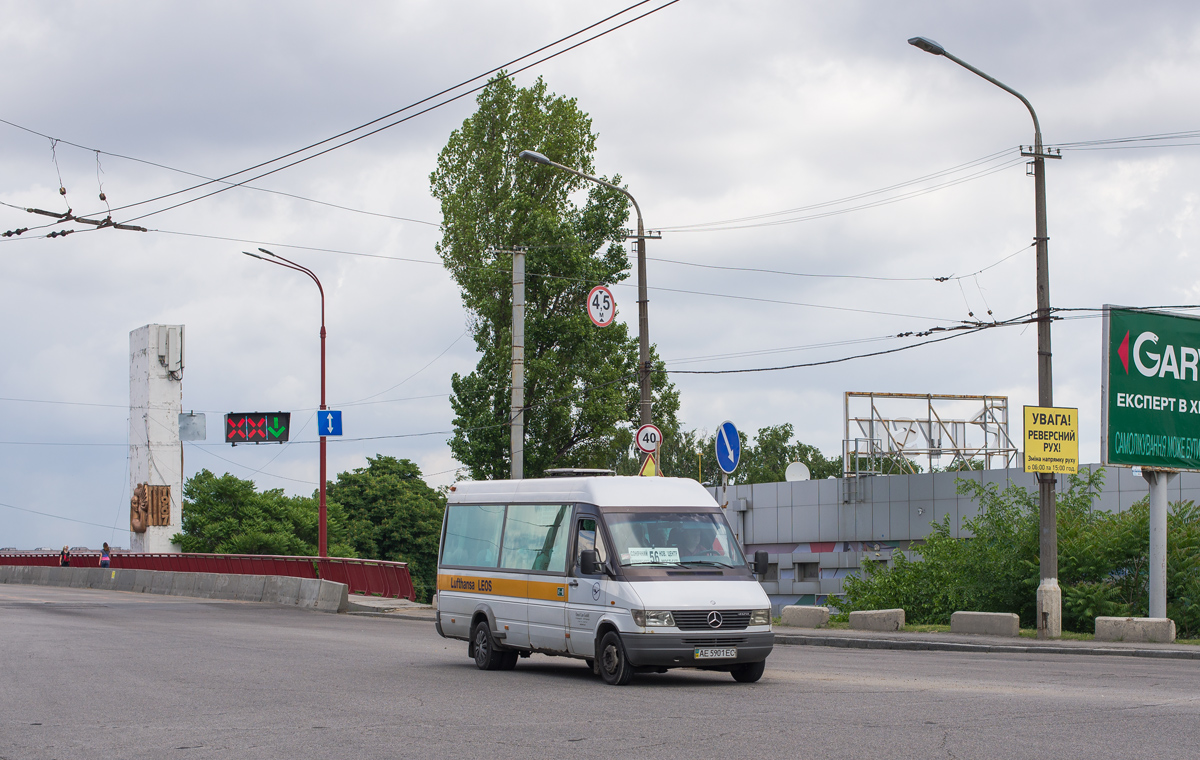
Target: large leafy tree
{"type": "Point", "coordinates": [392, 514]}
{"type": "Point", "coordinates": [580, 381]}
{"type": "Point", "coordinates": [228, 515]}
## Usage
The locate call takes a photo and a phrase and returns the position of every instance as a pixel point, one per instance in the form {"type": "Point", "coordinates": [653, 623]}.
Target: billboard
{"type": "Point", "coordinates": [1150, 389]}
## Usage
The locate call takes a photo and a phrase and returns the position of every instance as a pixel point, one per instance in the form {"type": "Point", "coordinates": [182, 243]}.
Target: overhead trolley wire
{"type": "Point", "coordinates": [391, 124]}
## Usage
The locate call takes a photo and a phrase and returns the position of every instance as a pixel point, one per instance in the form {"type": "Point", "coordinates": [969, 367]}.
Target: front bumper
{"type": "Point", "coordinates": [677, 650]}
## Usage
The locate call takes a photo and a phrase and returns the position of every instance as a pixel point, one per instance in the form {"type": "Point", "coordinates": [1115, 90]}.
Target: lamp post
{"type": "Point", "coordinates": [643, 303]}
{"type": "Point", "coordinates": [1049, 596]}
{"type": "Point", "coordinates": [322, 532]}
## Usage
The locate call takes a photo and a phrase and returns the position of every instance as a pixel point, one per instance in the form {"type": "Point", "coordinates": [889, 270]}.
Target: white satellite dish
{"type": "Point", "coordinates": [796, 471]}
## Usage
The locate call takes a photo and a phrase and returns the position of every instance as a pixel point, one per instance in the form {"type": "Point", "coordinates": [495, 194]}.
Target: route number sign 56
{"type": "Point", "coordinates": [601, 306]}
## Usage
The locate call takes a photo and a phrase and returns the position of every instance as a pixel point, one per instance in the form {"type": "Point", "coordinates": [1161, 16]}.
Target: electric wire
{"type": "Point", "coordinates": [402, 120]}
{"type": "Point", "coordinates": [56, 517]}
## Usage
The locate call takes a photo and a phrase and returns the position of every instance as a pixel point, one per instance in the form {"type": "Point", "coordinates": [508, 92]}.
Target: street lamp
{"type": "Point", "coordinates": [643, 303]}
{"type": "Point", "coordinates": [322, 531]}
{"type": "Point", "coordinates": [1049, 596]}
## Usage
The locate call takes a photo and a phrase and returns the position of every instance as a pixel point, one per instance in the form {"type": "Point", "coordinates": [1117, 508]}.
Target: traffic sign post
{"type": "Point", "coordinates": [1150, 412]}
{"type": "Point", "coordinates": [601, 306]}
{"type": "Point", "coordinates": [729, 452]}
{"type": "Point", "coordinates": [329, 422]}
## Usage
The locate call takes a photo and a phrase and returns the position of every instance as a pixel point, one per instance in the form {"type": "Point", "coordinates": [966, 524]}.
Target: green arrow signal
{"type": "Point", "coordinates": [278, 430]}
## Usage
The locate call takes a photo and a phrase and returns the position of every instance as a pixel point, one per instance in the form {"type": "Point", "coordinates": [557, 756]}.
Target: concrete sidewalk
{"type": "Point", "coordinates": [397, 609]}
{"type": "Point", "coordinates": [959, 642]}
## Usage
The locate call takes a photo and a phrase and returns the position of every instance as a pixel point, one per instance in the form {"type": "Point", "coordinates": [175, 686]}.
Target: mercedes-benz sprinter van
{"type": "Point", "coordinates": [630, 574]}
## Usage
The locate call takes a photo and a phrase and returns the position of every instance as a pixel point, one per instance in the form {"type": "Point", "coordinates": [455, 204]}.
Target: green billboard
{"type": "Point", "coordinates": [1150, 391]}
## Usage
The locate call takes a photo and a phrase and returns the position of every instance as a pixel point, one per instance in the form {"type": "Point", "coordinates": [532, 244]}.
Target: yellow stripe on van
{"type": "Point", "coordinates": [518, 588]}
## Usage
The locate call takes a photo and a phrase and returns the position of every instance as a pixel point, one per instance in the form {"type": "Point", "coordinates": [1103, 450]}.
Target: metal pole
{"type": "Point", "coordinates": [1049, 595]}
{"type": "Point", "coordinates": [322, 528]}
{"type": "Point", "coordinates": [1158, 481]}
{"type": "Point", "coordinates": [517, 432]}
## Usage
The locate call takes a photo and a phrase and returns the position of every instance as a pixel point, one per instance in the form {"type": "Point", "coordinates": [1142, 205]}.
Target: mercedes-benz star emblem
{"type": "Point", "coordinates": [714, 619]}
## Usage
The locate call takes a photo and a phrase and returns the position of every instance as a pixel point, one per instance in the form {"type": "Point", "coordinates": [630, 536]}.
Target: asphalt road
{"type": "Point", "coordinates": [113, 675]}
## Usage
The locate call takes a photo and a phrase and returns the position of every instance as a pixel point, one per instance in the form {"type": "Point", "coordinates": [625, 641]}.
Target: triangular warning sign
{"type": "Point", "coordinates": [650, 467]}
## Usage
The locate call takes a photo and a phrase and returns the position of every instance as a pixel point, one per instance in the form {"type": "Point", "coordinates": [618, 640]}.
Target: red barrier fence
{"type": "Point", "coordinates": [363, 576]}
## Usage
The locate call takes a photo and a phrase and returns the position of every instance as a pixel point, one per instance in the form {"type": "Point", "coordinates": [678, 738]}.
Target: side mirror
{"type": "Point", "coordinates": [589, 562]}
{"type": "Point", "coordinates": [760, 563]}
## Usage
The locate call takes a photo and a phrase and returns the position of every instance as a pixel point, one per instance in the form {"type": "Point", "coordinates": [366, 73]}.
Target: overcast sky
{"type": "Point", "coordinates": [710, 111]}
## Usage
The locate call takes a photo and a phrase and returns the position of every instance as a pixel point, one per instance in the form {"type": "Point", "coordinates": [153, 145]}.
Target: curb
{"type": "Point", "coordinates": [948, 646]}
{"type": "Point", "coordinates": [393, 616]}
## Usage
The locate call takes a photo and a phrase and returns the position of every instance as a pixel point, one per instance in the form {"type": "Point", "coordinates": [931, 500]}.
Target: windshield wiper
{"type": "Point", "coordinates": [654, 564]}
{"type": "Point", "coordinates": [707, 562]}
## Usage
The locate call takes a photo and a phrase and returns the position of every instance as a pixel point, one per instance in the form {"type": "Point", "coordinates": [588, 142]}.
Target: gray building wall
{"type": "Point", "coordinates": [817, 532]}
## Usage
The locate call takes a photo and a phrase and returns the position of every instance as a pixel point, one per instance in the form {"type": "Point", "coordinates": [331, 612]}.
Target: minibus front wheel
{"type": "Point", "coordinates": [750, 672]}
{"type": "Point", "coordinates": [487, 655]}
{"type": "Point", "coordinates": [614, 664]}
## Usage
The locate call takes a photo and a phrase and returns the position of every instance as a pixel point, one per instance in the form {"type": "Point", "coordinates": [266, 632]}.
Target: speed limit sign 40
{"type": "Point", "coordinates": [601, 306]}
{"type": "Point", "coordinates": [648, 438]}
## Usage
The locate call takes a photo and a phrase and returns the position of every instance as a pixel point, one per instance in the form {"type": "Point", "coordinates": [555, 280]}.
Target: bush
{"type": "Point", "coordinates": [1103, 560]}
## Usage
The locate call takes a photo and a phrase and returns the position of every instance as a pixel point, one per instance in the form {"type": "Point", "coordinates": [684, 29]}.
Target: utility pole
{"type": "Point", "coordinates": [1049, 595]}
{"type": "Point", "coordinates": [517, 410]}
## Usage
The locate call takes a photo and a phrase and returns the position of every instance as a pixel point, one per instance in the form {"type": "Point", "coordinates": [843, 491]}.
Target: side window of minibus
{"type": "Point", "coordinates": [588, 538]}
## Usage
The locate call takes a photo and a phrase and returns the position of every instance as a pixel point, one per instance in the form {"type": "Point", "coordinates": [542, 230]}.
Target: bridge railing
{"type": "Point", "coordinates": [363, 576]}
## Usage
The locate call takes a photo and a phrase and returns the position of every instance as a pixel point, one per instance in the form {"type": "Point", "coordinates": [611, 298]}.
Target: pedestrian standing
{"type": "Point", "coordinates": [105, 555]}
{"type": "Point", "coordinates": [64, 557]}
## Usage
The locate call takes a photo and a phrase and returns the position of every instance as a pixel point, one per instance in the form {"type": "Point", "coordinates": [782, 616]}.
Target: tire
{"type": "Point", "coordinates": [508, 659]}
{"type": "Point", "coordinates": [487, 655]}
{"type": "Point", "coordinates": [614, 665]}
{"type": "Point", "coordinates": [750, 672]}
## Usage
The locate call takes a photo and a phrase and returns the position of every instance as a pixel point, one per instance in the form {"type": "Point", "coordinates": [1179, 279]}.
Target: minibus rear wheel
{"type": "Point", "coordinates": [614, 665]}
{"type": "Point", "coordinates": [750, 672]}
{"type": "Point", "coordinates": [487, 655]}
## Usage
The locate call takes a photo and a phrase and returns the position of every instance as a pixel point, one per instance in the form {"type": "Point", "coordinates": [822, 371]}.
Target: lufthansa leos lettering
{"type": "Point", "coordinates": [1165, 363]}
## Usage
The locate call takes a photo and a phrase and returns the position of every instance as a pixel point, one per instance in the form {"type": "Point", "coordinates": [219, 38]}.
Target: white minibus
{"type": "Point", "coordinates": [630, 574]}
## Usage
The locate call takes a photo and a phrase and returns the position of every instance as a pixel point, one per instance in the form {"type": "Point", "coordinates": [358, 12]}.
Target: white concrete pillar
{"type": "Point", "coordinates": [155, 402]}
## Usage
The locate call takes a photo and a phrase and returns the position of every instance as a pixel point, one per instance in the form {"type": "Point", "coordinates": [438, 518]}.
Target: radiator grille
{"type": "Point", "coordinates": [698, 620]}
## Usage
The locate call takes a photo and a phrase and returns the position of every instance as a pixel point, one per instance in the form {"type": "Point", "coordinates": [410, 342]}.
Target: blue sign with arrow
{"type": "Point", "coordinates": [329, 422]}
{"type": "Point", "coordinates": [729, 447]}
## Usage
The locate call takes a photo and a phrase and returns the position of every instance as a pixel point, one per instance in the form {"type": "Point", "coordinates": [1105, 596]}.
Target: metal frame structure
{"type": "Point", "coordinates": [879, 438]}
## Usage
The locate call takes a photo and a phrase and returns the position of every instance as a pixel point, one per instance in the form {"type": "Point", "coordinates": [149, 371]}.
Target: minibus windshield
{"type": "Point", "coordinates": [673, 538]}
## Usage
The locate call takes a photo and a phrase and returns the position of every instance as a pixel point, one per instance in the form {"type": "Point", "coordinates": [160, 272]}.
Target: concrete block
{"type": "Point", "coordinates": [58, 576]}
{"type": "Point", "coordinates": [40, 575]}
{"type": "Point", "coordinates": [108, 578]}
{"type": "Point", "coordinates": [250, 587]}
{"type": "Point", "coordinates": [160, 582]}
{"type": "Point", "coordinates": [124, 580]}
{"type": "Point", "coordinates": [77, 577]}
{"type": "Point", "coordinates": [284, 590]}
{"type": "Point", "coordinates": [224, 587]}
{"type": "Point", "coordinates": [986, 623]}
{"type": "Point", "coordinates": [333, 597]}
{"type": "Point", "coordinates": [1161, 630]}
{"type": "Point", "coordinates": [184, 584]}
{"type": "Point", "coordinates": [877, 620]}
{"type": "Point", "coordinates": [310, 589]}
{"type": "Point", "coordinates": [142, 581]}
{"type": "Point", "coordinates": [206, 585]}
{"type": "Point", "coordinates": [799, 616]}
{"type": "Point", "coordinates": [6, 572]}
{"type": "Point", "coordinates": [95, 577]}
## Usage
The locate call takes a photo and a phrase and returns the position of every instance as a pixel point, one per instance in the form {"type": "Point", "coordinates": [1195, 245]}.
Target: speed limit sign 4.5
{"type": "Point", "coordinates": [601, 306]}
{"type": "Point", "coordinates": [648, 438]}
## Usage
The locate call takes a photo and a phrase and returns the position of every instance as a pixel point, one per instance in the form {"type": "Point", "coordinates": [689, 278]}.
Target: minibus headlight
{"type": "Point", "coordinates": [760, 617]}
{"type": "Point", "coordinates": [657, 618]}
